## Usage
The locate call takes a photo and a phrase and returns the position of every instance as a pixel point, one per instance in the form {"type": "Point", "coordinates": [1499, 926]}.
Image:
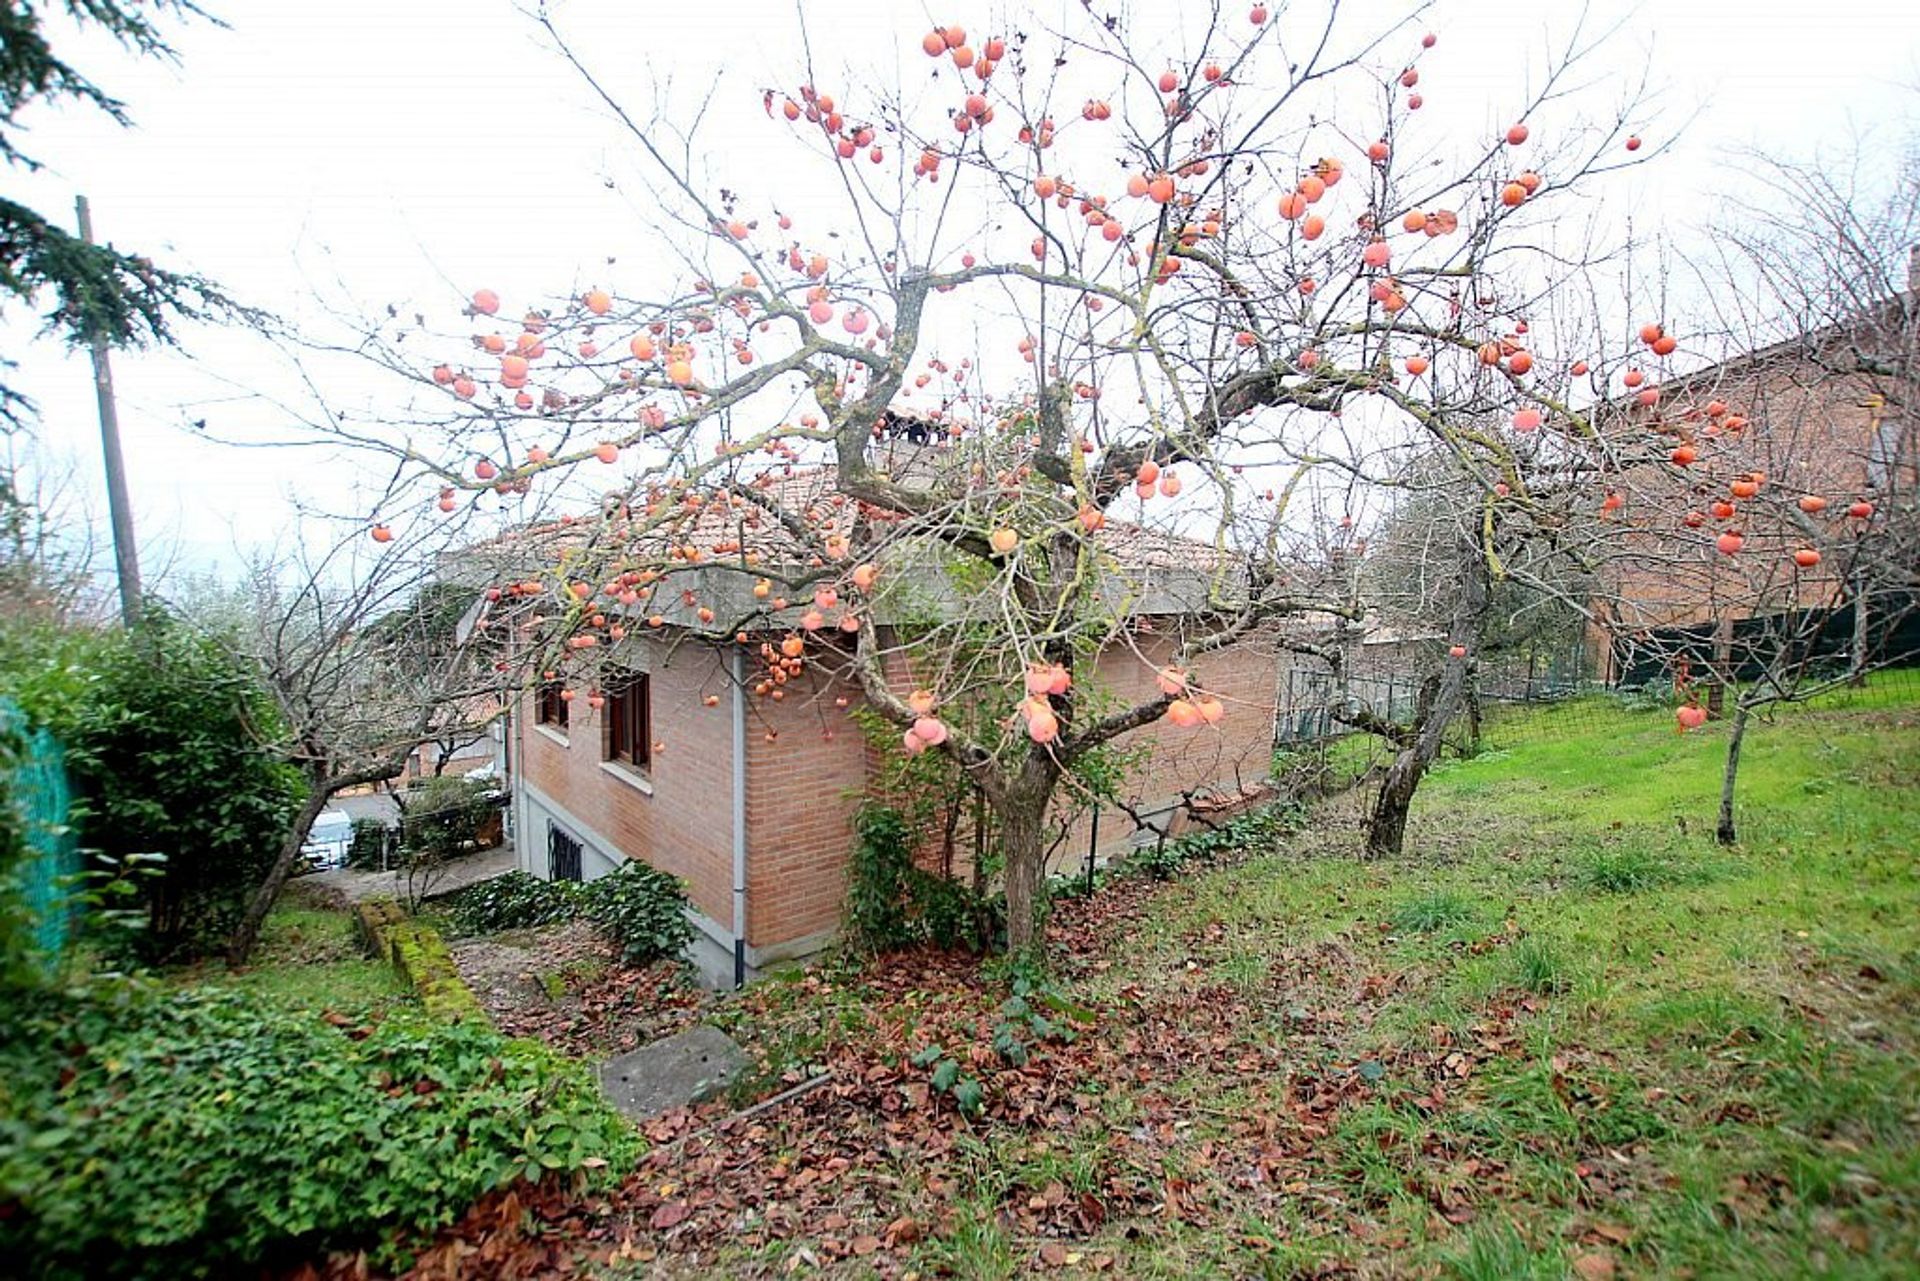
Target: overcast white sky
{"type": "Point", "coordinates": [366, 152]}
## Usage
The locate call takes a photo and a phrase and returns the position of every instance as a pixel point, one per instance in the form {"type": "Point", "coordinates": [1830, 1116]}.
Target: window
{"type": "Point", "coordinates": [549, 708]}
{"type": "Point", "coordinates": [628, 720]}
{"type": "Point", "coordinates": [1883, 455]}
{"type": "Point", "coordinates": [563, 855]}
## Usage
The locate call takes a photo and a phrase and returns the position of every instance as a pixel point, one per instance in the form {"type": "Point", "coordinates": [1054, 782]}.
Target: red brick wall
{"type": "Point", "coordinates": [807, 766]}
{"type": "Point", "coordinates": [1232, 755]}
{"type": "Point", "coordinates": [1810, 433]}
{"type": "Point", "coordinates": [685, 825]}
{"type": "Point", "coordinates": [803, 786]}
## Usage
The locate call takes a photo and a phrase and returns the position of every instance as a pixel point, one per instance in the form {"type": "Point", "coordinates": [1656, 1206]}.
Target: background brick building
{"type": "Point", "coordinates": [1829, 415]}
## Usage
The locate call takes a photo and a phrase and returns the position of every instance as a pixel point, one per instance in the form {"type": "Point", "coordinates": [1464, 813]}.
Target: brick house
{"type": "Point", "coordinates": [460, 754]}
{"type": "Point", "coordinates": [1814, 422]}
{"type": "Point", "coordinates": [751, 801]}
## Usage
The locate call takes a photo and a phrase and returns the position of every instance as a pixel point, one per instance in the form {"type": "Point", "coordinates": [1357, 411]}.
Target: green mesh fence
{"type": "Point", "coordinates": [37, 785]}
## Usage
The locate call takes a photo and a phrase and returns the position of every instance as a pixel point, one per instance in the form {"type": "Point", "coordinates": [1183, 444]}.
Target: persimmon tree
{"type": "Point", "coordinates": [1714, 497]}
{"type": "Point", "coordinates": [1062, 342]}
{"type": "Point", "coordinates": [1770, 550]}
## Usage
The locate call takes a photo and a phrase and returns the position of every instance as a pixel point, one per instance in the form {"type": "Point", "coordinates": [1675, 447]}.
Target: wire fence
{"type": "Point", "coordinates": [1511, 707]}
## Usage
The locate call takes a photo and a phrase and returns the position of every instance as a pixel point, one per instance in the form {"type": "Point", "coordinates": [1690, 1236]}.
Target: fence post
{"type": "Point", "coordinates": [1093, 843]}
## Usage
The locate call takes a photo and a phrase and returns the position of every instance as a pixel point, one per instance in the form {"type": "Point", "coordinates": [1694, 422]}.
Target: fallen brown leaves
{"type": "Point", "coordinates": [1188, 1101]}
{"type": "Point", "coordinates": [562, 985]}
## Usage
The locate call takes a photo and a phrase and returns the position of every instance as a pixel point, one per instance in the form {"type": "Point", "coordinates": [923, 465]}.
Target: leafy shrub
{"type": "Point", "coordinates": [1254, 832]}
{"type": "Point", "coordinates": [370, 845]}
{"type": "Point", "coordinates": [878, 880]}
{"type": "Point", "coordinates": [444, 816]}
{"type": "Point", "coordinates": [515, 901]}
{"type": "Point", "coordinates": [1022, 1029]}
{"type": "Point", "coordinates": [1075, 884]}
{"type": "Point", "coordinates": [442, 819]}
{"type": "Point", "coordinates": [894, 903]}
{"type": "Point", "coordinates": [202, 1133]}
{"type": "Point", "coordinates": [165, 734]}
{"type": "Point", "coordinates": [1161, 860]}
{"type": "Point", "coordinates": [642, 910]}
{"type": "Point", "coordinates": [952, 915]}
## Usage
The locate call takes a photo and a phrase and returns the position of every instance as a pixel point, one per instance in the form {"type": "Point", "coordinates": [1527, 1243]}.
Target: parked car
{"type": "Point", "coordinates": [327, 843]}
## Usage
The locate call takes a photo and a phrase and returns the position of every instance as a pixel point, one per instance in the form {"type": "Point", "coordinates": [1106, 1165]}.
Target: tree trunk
{"type": "Point", "coordinates": [1387, 831]}
{"type": "Point", "coordinates": [1438, 704]}
{"type": "Point", "coordinates": [248, 932]}
{"type": "Point", "coordinates": [1857, 659]}
{"type": "Point", "coordinates": [1025, 863]}
{"type": "Point", "coordinates": [1725, 833]}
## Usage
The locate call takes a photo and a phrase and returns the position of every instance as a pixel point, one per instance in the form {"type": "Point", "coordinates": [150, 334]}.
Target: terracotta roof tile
{"type": "Point", "coordinates": [721, 531]}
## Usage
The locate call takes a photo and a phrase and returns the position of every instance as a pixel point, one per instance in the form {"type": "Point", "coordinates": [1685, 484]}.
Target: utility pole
{"type": "Point", "coordinates": [126, 556]}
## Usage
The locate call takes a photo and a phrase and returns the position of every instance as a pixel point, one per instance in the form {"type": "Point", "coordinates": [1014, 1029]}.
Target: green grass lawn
{"type": "Point", "coordinates": [1669, 1058]}
{"type": "Point", "coordinates": [1566, 1034]}
{"type": "Point", "coordinates": [309, 958]}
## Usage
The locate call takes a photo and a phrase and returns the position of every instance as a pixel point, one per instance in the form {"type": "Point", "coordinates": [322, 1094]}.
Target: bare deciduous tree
{"type": "Point", "coordinates": [357, 653]}
{"type": "Point", "coordinates": [1773, 553]}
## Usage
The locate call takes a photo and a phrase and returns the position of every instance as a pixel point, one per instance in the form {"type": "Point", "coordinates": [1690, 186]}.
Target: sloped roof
{"type": "Point", "coordinates": [725, 541]}
{"type": "Point", "coordinates": [750, 524]}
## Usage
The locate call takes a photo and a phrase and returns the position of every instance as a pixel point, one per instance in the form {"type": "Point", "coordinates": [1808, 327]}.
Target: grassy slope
{"type": "Point", "coordinates": [1567, 1034]}
{"type": "Point", "coordinates": [309, 959]}
{"type": "Point", "coordinates": [1672, 1056]}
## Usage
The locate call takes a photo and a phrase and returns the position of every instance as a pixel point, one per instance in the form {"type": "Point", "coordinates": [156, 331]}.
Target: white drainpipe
{"type": "Point", "coordinates": [739, 675]}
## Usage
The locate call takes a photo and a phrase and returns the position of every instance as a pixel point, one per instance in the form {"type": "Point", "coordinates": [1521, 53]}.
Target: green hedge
{"type": "Point", "coordinates": [515, 901]}
{"type": "Point", "coordinates": [165, 1133]}
{"type": "Point", "coordinates": [169, 745]}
